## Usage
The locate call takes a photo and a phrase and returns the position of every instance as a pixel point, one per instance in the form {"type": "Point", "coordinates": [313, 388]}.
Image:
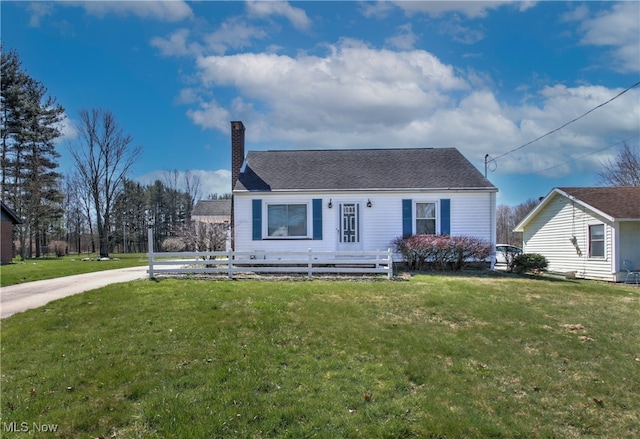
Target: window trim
{"type": "Point", "coordinates": [436, 206]}
{"type": "Point", "coordinates": [308, 218]}
{"type": "Point", "coordinates": [603, 240]}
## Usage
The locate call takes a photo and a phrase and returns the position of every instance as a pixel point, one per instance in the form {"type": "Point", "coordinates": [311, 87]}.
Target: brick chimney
{"type": "Point", "coordinates": [237, 151]}
{"type": "Point", "coordinates": [237, 158]}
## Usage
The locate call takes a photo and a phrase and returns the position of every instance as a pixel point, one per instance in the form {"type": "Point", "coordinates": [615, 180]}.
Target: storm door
{"type": "Point", "coordinates": [349, 227]}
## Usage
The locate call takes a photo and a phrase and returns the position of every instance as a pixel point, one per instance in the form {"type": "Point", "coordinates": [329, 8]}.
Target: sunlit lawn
{"type": "Point", "coordinates": [430, 356]}
{"type": "Point", "coordinates": [52, 267]}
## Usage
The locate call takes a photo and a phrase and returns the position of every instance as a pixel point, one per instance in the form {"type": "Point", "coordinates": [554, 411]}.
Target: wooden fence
{"type": "Point", "coordinates": [233, 262]}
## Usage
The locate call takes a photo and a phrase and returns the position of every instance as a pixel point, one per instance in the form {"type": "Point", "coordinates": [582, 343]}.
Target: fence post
{"type": "Point", "coordinates": [230, 259]}
{"type": "Point", "coordinates": [310, 264]}
{"type": "Point", "coordinates": [390, 257]}
{"type": "Point", "coordinates": [150, 254]}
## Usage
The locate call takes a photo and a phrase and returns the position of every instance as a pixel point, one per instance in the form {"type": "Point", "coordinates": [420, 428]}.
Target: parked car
{"type": "Point", "coordinates": [504, 254]}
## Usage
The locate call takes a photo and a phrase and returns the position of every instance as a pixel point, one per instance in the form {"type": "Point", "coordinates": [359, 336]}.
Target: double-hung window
{"type": "Point", "coordinates": [287, 220]}
{"type": "Point", "coordinates": [426, 218]}
{"type": "Point", "coordinates": [596, 241]}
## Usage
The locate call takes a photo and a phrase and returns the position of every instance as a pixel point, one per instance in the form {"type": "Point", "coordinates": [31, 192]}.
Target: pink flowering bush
{"type": "Point", "coordinates": [441, 251]}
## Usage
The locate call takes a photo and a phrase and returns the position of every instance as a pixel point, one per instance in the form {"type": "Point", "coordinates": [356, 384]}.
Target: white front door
{"type": "Point", "coordinates": [349, 231]}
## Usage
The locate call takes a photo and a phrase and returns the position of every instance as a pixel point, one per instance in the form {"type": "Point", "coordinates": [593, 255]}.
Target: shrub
{"type": "Point", "coordinates": [173, 245]}
{"type": "Point", "coordinates": [530, 262]}
{"type": "Point", "coordinates": [467, 249]}
{"type": "Point", "coordinates": [441, 251]}
{"type": "Point", "coordinates": [57, 247]}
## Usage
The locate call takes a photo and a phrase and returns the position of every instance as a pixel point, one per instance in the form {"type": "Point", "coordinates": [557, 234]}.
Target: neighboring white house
{"type": "Point", "coordinates": [212, 211]}
{"type": "Point", "coordinates": [586, 230]}
{"type": "Point", "coordinates": [357, 199]}
{"type": "Point", "coordinates": [212, 219]}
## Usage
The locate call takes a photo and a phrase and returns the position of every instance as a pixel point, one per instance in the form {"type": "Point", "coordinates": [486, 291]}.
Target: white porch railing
{"type": "Point", "coordinates": [233, 262]}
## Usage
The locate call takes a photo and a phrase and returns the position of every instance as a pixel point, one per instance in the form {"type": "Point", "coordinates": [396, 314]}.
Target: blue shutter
{"type": "Point", "coordinates": [445, 216]}
{"type": "Point", "coordinates": [317, 218]}
{"type": "Point", "coordinates": [256, 216]}
{"type": "Point", "coordinates": [407, 221]}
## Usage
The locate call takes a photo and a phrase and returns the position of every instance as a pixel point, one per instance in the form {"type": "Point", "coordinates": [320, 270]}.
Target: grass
{"type": "Point", "coordinates": [427, 357]}
{"type": "Point", "coordinates": [49, 268]}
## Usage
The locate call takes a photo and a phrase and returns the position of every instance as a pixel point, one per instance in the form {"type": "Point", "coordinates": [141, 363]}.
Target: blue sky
{"type": "Point", "coordinates": [484, 77]}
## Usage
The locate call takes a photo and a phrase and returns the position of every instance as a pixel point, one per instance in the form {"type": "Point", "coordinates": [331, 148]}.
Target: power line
{"type": "Point", "coordinates": [577, 158]}
{"type": "Point", "coordinates": [570, 122]}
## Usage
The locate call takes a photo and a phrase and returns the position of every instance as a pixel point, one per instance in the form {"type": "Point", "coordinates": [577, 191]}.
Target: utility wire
{"type": "Point", "coordinates": [576, 158]}
{"type": "Point", "coordinates": [570, 122]}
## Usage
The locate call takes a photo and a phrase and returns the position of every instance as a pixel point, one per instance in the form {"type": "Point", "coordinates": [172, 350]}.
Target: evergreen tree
{"type": "Point", "coordinates": [130, 210]}
{"type": "Point", "coordinates": [30, 126]}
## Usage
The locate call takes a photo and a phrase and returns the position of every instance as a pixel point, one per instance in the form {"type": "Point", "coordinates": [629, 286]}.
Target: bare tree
{"type": "Point", "coordinates": [103, 156]}
{"type": "Point", "coordinates": [192, 189]}
{"type": "Point", "coordinates": [508, 217]}
{"type": "Point", "coordinates": [624, 170]}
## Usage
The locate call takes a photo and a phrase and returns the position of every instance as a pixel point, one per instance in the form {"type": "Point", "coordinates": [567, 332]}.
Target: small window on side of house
{"type": "Point", "coordinates": [425, 218]}
{"type": "Point", "coordinates": [596, 241]}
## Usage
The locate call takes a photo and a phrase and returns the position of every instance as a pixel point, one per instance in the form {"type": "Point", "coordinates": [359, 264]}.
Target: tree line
{"type": "Point", "coordinates": [97, 208]}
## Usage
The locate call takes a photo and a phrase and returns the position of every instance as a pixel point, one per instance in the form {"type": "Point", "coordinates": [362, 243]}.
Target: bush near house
{"type": "Point", "coordinates": [441, 252]}
{"type": "Point", "coordinates": [530, 263]}
{"type": "Point", "coordinates": [173, 245]}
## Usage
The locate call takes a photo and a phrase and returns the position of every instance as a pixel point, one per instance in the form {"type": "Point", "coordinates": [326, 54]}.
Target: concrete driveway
{"type": "Point", "coordinates": [18, 298]}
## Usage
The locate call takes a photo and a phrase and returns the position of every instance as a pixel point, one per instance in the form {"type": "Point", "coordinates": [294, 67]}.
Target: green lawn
{"type": "Point", "coordinates": [431, 356]}
{"type": "Point", "coordinates": [49, 268]}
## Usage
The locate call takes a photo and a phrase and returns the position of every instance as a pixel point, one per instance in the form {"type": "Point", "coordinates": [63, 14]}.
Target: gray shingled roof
{"type": "Point", "coordinates": [617, 202]}
{"type": "Point", "coordinates": [9, 213]}
{"type": "Point", "coordinates": [360, 169]}
{"type": "Point", "coordinates": [212, 207]}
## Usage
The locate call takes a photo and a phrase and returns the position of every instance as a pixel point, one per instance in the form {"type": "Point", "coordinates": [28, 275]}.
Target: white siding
{"type": "Point", "coordinates": [472, 213]}
{"type": "Point", "coordinates": [550, 234]}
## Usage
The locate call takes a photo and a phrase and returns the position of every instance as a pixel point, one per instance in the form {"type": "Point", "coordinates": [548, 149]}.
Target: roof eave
{"type": "Point", "coordinates": [442, 189]}
{"type": "Point", "coordinates": [11, 213]}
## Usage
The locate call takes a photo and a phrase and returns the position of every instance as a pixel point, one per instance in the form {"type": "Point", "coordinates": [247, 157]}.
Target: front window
{"type": "Point", "coordinates": [426, 218]}
{"type": "Point", "coordinates": [596, 241]}
{"type": "Point", "coordinates": [287, 220]}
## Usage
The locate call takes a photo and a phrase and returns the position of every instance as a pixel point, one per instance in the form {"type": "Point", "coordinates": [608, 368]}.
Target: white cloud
{"type": "Point", "coordinates": [344, 89]}
{"type": "Point", "coordinates": [603, 127]}
{"type": "Point", "coordinates": [210, 115]}
{"type": "Point", "coordinates": [233, 33]}
{"type": "Point", "coordinates": [176, 44]}
{"type": "Point", "coordinates": [345, 100]}
{"type": "Point", "coordinates": [471, 9]}
{"type": "Point", "coordinates": [404, 39]}
{"type": "Point", "coordinates": [67, 129]}
{"type": "Point", "coordinates": [378, 9]}
{"type": "Point", "coordinates": [617, 28]}
{"type": "Point", "coordinates": [38, 11]}
{"type": "Point", "coordinates": [170, 11]}
{"type": "Point", "coordinates": [264, 9]}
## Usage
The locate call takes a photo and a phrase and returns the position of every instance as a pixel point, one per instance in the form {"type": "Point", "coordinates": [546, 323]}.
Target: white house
{"type": "Point", "coordinates": [586, 230]}
{"type": "Point", "coordinates": [358, 199]}
{"type": "Point", "coordinates": [212, 211]}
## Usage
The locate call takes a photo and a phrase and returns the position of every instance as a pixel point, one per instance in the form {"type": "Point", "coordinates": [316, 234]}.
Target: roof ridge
{"type": "Point", "coordinates": [354, 149]}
